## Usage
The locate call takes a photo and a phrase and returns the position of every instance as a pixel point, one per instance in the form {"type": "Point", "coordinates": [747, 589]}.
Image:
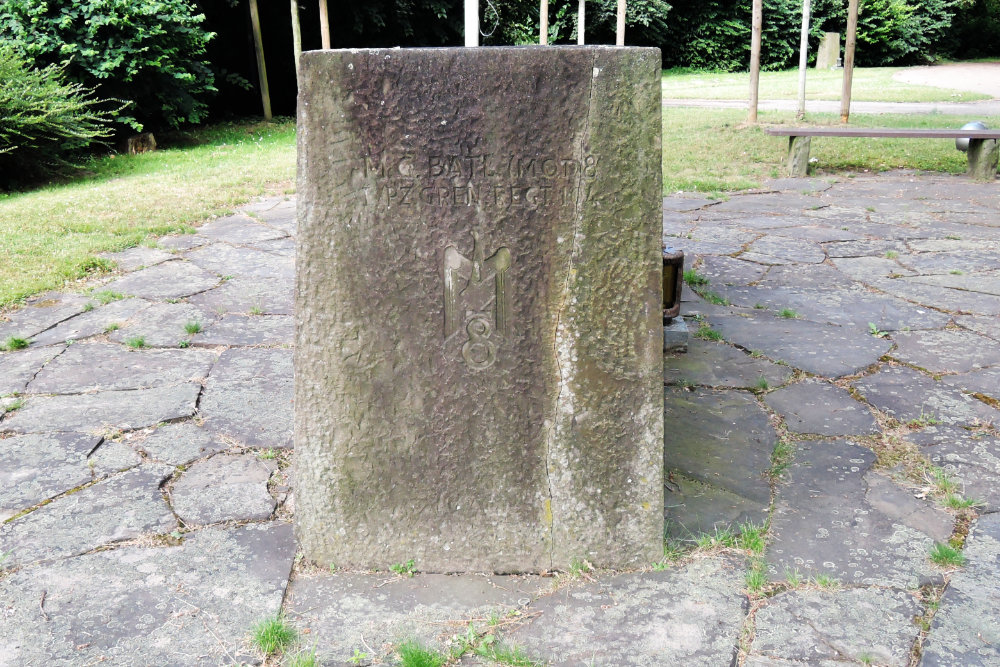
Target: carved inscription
{"type": "Point", "coordinates": [477, 301]}
{"type": "Point", "coordinates": [470, 178]}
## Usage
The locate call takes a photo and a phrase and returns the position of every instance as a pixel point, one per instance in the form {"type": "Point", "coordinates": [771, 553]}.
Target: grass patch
{"type": "Point", "coordinates": [192, 327]}
{"type": "Point", "coordinates": [781, 458]}
{"type": "Point", "coordinates": [412, 654]}
{"type": "Point", "coordinates": [273, 634]}
{"type": "Point", "coordinates": [946, 555]}
{"type": "Point", "coordinates": [869, 84]}
{"type": "Point", "coordinates": [136, 342]}
{"type": "Point", "coordinates": [14, 343]}
{"type": "Point", "coordinates": [51, 235]}
{"type": "Point", "coordinates": [706, 332]}
{"type": "Point", "coordinates": [694, 279]}
{"type": "Point", "coordinates": [788, 313]}
{"type": "Point", "coordinates": [762, 384]}
{"type": "Point", "coordinates": [104, 297]}
{"type": "Point", "coordinates": [404, 569]}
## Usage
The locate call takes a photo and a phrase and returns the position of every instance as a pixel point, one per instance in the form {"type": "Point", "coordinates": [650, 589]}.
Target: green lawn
{"type": "Point", "coordinates": [870, 84]}
{"type": "Point", "coordinates": [49, 236]}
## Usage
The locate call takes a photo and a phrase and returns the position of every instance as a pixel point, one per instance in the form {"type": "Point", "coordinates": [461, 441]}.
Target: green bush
{"type": "Point", "coordinates": [516, 22]}
{"type": "Point", "coordinates": [43, 119]}
{"type": "Point", "coordinates": [146, 52]}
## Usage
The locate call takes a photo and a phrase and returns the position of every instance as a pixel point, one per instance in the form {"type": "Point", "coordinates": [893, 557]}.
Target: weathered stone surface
{"type": "Point", "coordinates": [113, 510]}
{"type": "Point", "coordinates": [228, 260]}
{"type": "Point", "coordinates": [111, 457]}
{"type": "Point", "coordinates": [971, 458]}
{"type": "Point", "coordinates": [823, 523]}
{"type": "Point", "coordinates": [947, 351]}
{"type": "Point", "coordinates": [106, 410]}
{"type": "Point", "coordinates": [966, 629]}
{"type": "Point", "coordinates": [17, 367]}
{"type": "Point", "coordinates": [756, 203]}
{"type": "Point", "coordinates": [282, 247]}
{"type": "Point", "coordinates": [926, 263]}
{"type": "Point", "coordinates": [815, 276]}
{"type": "Point", "coordinates": [224, 488]}
{"type": "Point", "coordinates": [248, 397]}
{"type": "Point", "coordinates": [822, 349]}
{"type": "Point", "coordinates": [34, 468]}
{"type": "Point", "coordinates": [137, 258]}
{"type": "Point", "coordinates": [729, 271]}
{"type": "Point", "coordinates": [684, 616]}
{"type": "Point", "coordinates": [162, 324]}
{"type": "Point", "coordinates": [713, 364]}
{"type": "Point", "coordinates": [522, 309]}
{"type": "Point", "coordinates": [985, 381]}
{"type": "Point", "coordinates": [855, 257]}
{"type": "Point", "coordinates": [870, 624]}
{"type": "Point", "coordinates": [818, 233]}
{"type": "Point", "coordinates": [243, 295]}
{"type": "Point", "coordinates": [170, 280]}
{"type": "Point", "coordinates": [278, 212]}
{"type": "Point", "coordinates": [942, 298]}
{"type": "Point", "coordinates": [908, 395]}
{"type": "Point", "coordinates": [179, 444]}
{"type": "Point", "coordinates": [692, 508]}
{"type": "Point", "coordinates": [987, 326]}
{"type": "Point", "coordinates": [686, 202]}
{"type": "Point", "coordinates": [103, 366]}
{"type": "Point", "coordinates": [92, 323]}
{"type": "Point", "coordinates": [822, 409]}
{"type": "Point", "coordinates": [41, 313]}
{"type": "Point", "coordinates": [239, 229]}
{"type": "Point", "coordinates": [779, 250]}
{"type": "Point", "coordinates": [182, 241]}
{"type": "Point", "coordinates": [235, 329]}
{"type": "Point", "coordinates": [183, 605]}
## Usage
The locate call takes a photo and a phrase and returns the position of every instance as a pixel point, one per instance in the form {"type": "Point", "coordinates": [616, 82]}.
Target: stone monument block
{"type": "Point", "coordinates": [478, 365]}
{"type": "Point", "coordinates": [829, 51]}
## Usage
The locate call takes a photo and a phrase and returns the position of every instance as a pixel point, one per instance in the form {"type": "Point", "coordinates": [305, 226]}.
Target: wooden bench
{"type": "Point", "coordinates": [983, 148]}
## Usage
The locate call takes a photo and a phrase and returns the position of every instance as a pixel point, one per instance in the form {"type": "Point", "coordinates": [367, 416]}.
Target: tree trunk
{"type": "Point", "coordinates": [258, 46]}
{"type": "Point", "coordinates": [620, 27]}
{"type": "Point", "coordinates": [580, 21]}
{"type": "Point", "coordinates": [803, 60]}
{"type": "Point", "coordinates": [472, 22]}
{"type": "Point", "coordinates": [296, 37]}
{"type": "Point", "coordinates": [852, 38]}
{"type": "Point", "coordinates": [543, 22]}
{"type": "Point", "coordinates": [757, 26]}
{"type": "Point", "coordinates": [324, 25]}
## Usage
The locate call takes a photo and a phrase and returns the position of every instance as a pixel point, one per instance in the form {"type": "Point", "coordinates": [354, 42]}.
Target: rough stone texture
{"type": "Point", "coordinates": [848, 625]}
{"type": "Point", "coordinates": [224, 488]}
{"type": "Point", "coordinates": [111, 457]}
{"type": "Point", "coordinates": [985, 382]}
{"type": "Point", "coordinates": [235, 329]}
{"type": "Point", "coordinates": [729, 271]}
{"type": "Point", "coordinates": [947, 351]}
{"type": "Point", "coordinates": [113, 510]}
{"type": "Point", "coordinates": [34, 468]}
{"type": "Point", "coordinates": [907, 394]}
{"type": "Point", "coordinates": [239, 229]}
{"type": "Point", "coordinates": [988, 326]}
{"type": "Point", "coordinates": [821, 409]}
{"type": "Point", "coordinates": [966, 629]}
{"type": "Point", "coordinates": [102, 366]}
{"type": "Point", "coordinates": [137, 258]}
{"type": "Point", "coordinates": [227, 260]}
{"type": "Point", "coordinates": [170, 280]}
{"type": "Point", "coordinates": [92, 323]}
{"type": "Point", "coordinates": [823, 523]}
{"type": "Point", "coordinates": [179, 444]}
{"type": "Point", "coordinates": [684, 616]}
{"type": "Point", "coordinates": [676, 336]}
{"type": "Point", "coordinates": [719, 365]}
{"type": "Point", "coordinates": [248, 397]}
{"type": "Point", "coordinates": [106, 410]}
{"type": "Point", "coordinates": [182, 605]}
{"type": "Point", "coordinates": [779, 250]}
{"type": "Point", "coordinates": [243, 295]}
{"type": "Point", "coordinates": [972, 458]}
{"type": "Point", "coordinates": [162, 324]}
{"type": "Point", "coordinates": [41, 313]}
{"type": "Point", "coordinates": [19, 366]}
{"type": "Point", "coordinates": [490, 376]}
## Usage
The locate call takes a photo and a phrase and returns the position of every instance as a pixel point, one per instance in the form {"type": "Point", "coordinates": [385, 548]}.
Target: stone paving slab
{"type": "Point", "coordinates": [138, 257]}
{"type": "Point", "coordinates": [243, 295]}
{"type": "Point", "coordinates": [877, 625]}
{"type": "Point", "coordinates": [192, 604]}
{"type": "Point", "coordinates": [228, 260]}
{"type": "Point", "coordinates": [87, 367]}
{"type": "Point", "coordinates": [985, 381]}
{"type": "Point", "coordinates": [961, 302]}
{"type": "Point", "coordinates": [92, 323]}
{"type": "Point", "coordinates": [179, 444]}
{"type": "Point", "coordinates": [712, 364]}
{"type": "Point", "coordinates": [783, 250]}
{"type": "Point", "coordinates": [965, 631]}
{"type": "Point", "coordinates": [980, 283]}
{"type": "Point", "coordinates": [106, 410]}
{"type": "Point", "coordinates": [730, 271]}
{"type": "Point", "coordinates": [239, 229]}
{"type": "Point", "coordinates": [18, 367]}
{"type": "Point", "coordinates": [171, 280]}
{"type": "Point", "coordinates": [909, 395]}
{"type": "Point", "coordinates": [274, 213]}
{"type": "Point", "coordinates": [971, 458]}
{"type": "Point", "coordinates": [946, 351]}
{"type": "Point", "coordinates": [40, 466]}
{"type": "Point", "coordinates": [163, 324]}
{"type": "Point", "coordinates": [41, 313]}
{"type": "Point", "coordinates": [224, 488]}
{"type": "Point", "coordinates": [814, 276]}
{"type": "Point", "coordinates": [120, 508]}
{"type": "Point", "coordinates": [987, 326]}
{"type": "Point", "coordinates": [240, 330]}
{"type": "Point", "coordinates": [821, 409]}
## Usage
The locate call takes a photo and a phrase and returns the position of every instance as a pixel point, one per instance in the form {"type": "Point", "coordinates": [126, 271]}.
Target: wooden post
{"type": "Point", "coordinates": [620, 27]}
{"type": "Point", "coordinates": [472, 22]}
{"type": "Point", "coordinates": [324, 25]}
{"type": "Point", "coordinates": [258, 45]}
{"type": "Point", "coordinates": [296, 37]}
{"type": "Point", "coordinates": [756, 28]}
{"type": "Point", "coordinates": [580, 16]}
{"type": "Point", "coordinates": [803, 60]}
{"type": "Point", "coordinates": [852, 38]}
{"type": "Point", "coordinates": [543, 22]}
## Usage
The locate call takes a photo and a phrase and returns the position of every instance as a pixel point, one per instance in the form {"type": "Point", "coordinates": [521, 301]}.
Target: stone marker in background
{"type": "Point", "coordinates": [828, 52]}
{"type": "Point", "coordinates": [478, 369]}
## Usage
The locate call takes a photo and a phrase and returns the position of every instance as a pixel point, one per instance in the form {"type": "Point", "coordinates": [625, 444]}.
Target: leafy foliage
{"type": "Point", "coordinates": [146, 52]}
{"type": "Point", "coordinates": [43, 119]}
{"type": "Point", "coordinates": [516, 22]}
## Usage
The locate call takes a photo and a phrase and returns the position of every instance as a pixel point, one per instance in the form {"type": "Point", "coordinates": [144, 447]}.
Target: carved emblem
{"type": "Point", "coordinates": [477, 301]}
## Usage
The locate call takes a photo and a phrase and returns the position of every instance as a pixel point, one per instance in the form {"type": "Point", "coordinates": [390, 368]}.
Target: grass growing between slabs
{"type": "Point", "coordinates": [50, 235]}
{"type": "Point", "coordinates": [869, 84]}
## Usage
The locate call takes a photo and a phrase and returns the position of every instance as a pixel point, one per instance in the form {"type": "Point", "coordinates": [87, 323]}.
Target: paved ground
{"type": "Point", "coordinates": [981, 77]}
{"type": "Point", "coordinates": [144, 489]}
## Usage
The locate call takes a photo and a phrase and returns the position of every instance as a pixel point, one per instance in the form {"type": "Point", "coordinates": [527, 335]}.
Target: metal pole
{"type": "Point", "coordinates": [580, 15]}
{"type": "Point", "coordinates": [757, 26]}
{"type": "Point", "coordinates": [620, 27]}
{"type": "Point", "coordinates": [543, 22]}
{"type": "Point", "coordinates": [852, 38]}
{"type": "Point", "coordinates": [803, 60]}
{"type": "Point", "coordinates": [472, 22]}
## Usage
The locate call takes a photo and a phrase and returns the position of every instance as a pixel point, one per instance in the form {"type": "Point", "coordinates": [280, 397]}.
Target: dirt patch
{"type": "Point", "coordinates": [974, 77]}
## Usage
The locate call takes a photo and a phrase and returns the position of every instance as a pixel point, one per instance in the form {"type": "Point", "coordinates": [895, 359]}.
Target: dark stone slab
{"type": "Point", "coordinates": [113, 456]}
{"type": "Point", "coordinates": [279, 212]}
{"type": "Point", "coordinates": [942, 298]}
{"type": "Point", "coordinates": [692, 508]}
{"type": "Point", "coordinates": [799, 184]}
{"type": "Point", "coordinates": [137, 258]}
{"type": "Point", "coordinates": [780, 250]}
{"type": "Point", "coordinates": [824, 524]}
{"type": "Point", "coordinates": [987, 326]}
{"type": "Point", "coordinates": [229, 260]}
{"type": "Point", "coordinates": [946, 351]}
{"type": "Point", "coordinates": [822, 349]}
{"type": "Point", "coordinates": [529, 317]}
{"type": "Point", "coordinates": [907, 395]}
{"type": "Point", "coordinates": [719, 438]}
{"type": "Point", "coordinates": [966, 260]}
{"type": "Point", "coordinates": [985, 381]}
{"type": "Point", "coordinates": [163, 324]}
{"type": "Point", "coordinates": [978, 283]}
{"type": "Point", "coordinates": [40, 314]}
{"type": "Point", "coordinates": [282, 247]}
{"type": "Point", "coordinates": [233, 329]}
{"type": "Point", "coordinates": [809, 276]}
{"type": "Point", "coordinates": [818, 233]}
{"type": "Point", "coordinates": [179, 444]}
{"type": "Point", "coordinates": [686, 203]}
{"type": "Point", "coordinates": [871, 270]}
{"type": "Point", "coordinates": [92, 323]}
{"type": "Point", "coordinates": [224, 488]}
{"type": "Point", "coordinates": [113, 510]}
{"type": "Point", "coordinates": [719, 365]}
{"type": "Point", "coordinates": [106, 410]}
{"type": "Point", "coordinates": [102, 366]}
{"type": "Point", "coordinates": [18, 367]}
{"type": "Point", "coordinates": [730, 271]}
{"type": "Point", "coordinates": [971, 458]}
{"type": "Point", "coordinates": [850, 625]}
{"type": "Point", "coordinates": [248, 397]}
{"type": "Point", "coordinates": [768, 202]}
{"type": "Point", "coordinates": [901, 503]}
{"type": "Point", "coordinates": [822, 409]}
{"type": "Point", "coordinates": [182, 242]}
{"type": "Point", "coordinates": [37, 467]}
{"type": "Point", "coordinates": [862, 249]}
{"type": "Point", "coordinates": [347, 611]}
{"type": "Point", "coordinates": [192, 604]}
{"type": "Point", "coordinates": [778, 220]}
{"type": "Point", "coordinates": [243, 295]}
{"type": "Point", "coordinates": [239, 229]}
{"type": "Point", "coordinates": [171, 280]}
{"type": "Point", "coordinates": [966, 628]}
{"type": "Point", "coordinates": [689, 615]}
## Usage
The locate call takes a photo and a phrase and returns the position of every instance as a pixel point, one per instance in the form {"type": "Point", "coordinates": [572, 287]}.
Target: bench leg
{"type": "Point", "coordinates": [798, 156]}
{"type": "Point", "coordinates": [983, 154]}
